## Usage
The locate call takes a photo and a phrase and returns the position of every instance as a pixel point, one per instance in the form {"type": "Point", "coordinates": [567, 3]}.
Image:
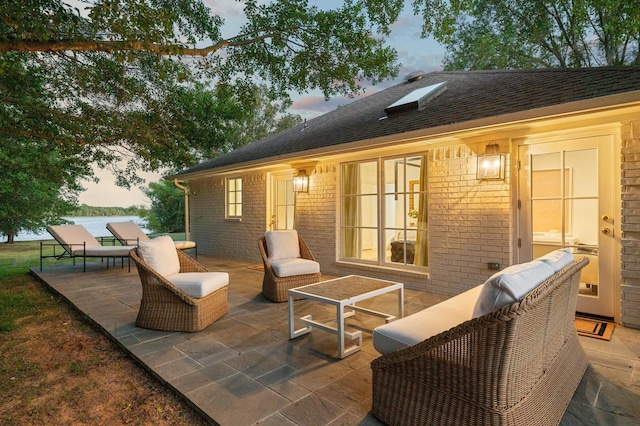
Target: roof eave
{"type": "Point", "coordinates": [486, 124]}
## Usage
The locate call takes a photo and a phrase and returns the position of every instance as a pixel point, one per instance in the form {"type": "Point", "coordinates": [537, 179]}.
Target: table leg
{"type": "Point", "coordinates": [401, 302]}
{"type": "Point", "coordinates": [340, 320]}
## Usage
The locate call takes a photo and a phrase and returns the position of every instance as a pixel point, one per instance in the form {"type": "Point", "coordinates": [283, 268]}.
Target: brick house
{"type": "Point", "coordinates": [436, 180]}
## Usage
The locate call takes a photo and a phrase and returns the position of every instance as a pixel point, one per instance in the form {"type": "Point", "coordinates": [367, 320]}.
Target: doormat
{"type": "Point", "coordinates": [594, 328]}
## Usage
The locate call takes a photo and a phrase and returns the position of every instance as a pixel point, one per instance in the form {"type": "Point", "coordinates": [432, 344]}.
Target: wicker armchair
{"type": "Point", "coordinates": [518, 365]}
{"type": "Point", "coordinates": [164, 306]}
{"type": "Point", "coordinates": [276, 288]}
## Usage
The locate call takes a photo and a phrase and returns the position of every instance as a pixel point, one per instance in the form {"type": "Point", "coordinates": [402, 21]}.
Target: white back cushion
{"type": "Point", "coordinates": [128, 231]}
{"type": "Point", "coordinates": [282, 244]}
{"type": "Point", "coordinates": [510, 285]}
{"type": "Point", "coordinates": [160, 254]}
{"type": "Point", "coordinates": [558, 259]}
{"type": "Point", "coordinates": [71, 237]}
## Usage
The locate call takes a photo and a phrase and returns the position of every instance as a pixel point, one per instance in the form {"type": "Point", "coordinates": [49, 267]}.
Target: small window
{"type": "Point", "coordinates": [234, 197]}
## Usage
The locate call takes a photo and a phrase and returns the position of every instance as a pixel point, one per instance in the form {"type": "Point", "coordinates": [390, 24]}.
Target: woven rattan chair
{"type": "Point", "coordinates": [275, 288]}
{"type": "Point", "coordinates": [518, 365]}
{"type": "Point", "coordinates": [164, 306]}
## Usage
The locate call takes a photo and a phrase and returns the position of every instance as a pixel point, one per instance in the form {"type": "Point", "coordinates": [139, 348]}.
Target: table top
{"type": "Point", "coordinates": [344, 288]}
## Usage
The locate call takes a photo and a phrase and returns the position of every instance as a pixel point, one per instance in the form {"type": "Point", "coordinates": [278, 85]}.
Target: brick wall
{"type": "Point", "coordinates": [630, 224]}
{"type": "Point", "coordinates": [469, 220]}
{"type": "Point", "coordinates": [218, 236]}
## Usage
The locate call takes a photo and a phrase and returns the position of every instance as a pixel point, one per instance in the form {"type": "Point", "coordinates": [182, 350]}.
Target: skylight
{"type": "Point", "coordinates": [417, 99]}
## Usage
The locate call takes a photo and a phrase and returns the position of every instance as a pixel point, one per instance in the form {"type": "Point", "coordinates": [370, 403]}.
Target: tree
{"type": "Point", "coordinates": [124, 85]}
{"type": "Point", "coordinates": [167, 207]}
{"type": "Point", "coordinates": [123, 76]}
{"type": "Point", "coordinates": [31, 197]}
{"type": "Point", "coordinates": [492, 34]}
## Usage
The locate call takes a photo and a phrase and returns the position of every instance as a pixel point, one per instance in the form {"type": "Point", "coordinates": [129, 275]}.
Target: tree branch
{"type": "Point", "coordinates": [108, 46]}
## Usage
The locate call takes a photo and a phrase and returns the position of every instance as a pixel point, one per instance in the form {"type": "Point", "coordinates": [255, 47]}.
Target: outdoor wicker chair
{"type": "Point", "coordinates": [283, 273]}
{"type": "Point", "coordinates": [189, 300]}
{"type": "Point", "coordinates": [518, 365]}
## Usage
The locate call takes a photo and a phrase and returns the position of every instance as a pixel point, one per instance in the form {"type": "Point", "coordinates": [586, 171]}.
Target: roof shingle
{"type": "Point", "coordinates": [469, 96]}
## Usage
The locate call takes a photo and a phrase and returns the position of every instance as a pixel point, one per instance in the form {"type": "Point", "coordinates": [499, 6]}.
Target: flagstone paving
{"type": "Point", "coordinates": [243, 369]}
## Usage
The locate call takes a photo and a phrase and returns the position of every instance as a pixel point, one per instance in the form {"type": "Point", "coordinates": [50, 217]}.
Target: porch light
{"type": "Point", "coordinates": [301, 181]}
{"type": "Point", "coordinates": [491, 163]}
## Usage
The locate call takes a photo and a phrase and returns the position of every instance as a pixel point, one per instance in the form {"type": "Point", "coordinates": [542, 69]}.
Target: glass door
{"type": "Point", "coordinates": [566, 201]}
{"type": "Point", "coordinates": [282, 202]}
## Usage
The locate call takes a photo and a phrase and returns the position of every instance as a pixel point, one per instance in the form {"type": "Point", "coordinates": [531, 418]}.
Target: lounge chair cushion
{"type": "Point", "coordinates": [291, 267]}
{"type": "Point", "coordinates": [183, 245]}
{"type": "Point", "coordinates": [199, 284]}
{"type": "Point", "coordinates": [127, 232]}
{"type": "Point", "coordinates": [71, 237]}
{"type": "Point", "coordinates": [282, 244]}
{"type": "Point", "coordinates": [426, 323]}
{"type": "Point", "coordinates": [103, 251]}
{"type": "Point", "coordinates": [558, 259]}
{"type": "Point", "coordinates": [160, 254]}
{"type": "Point", "coordinates": [510, 285]}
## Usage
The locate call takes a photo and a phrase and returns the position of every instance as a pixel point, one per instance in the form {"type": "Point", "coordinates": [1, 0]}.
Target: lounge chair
{"type": "Point", "coordinates": [178, 294]}
{"type": "Point", "coordinates": [129, 234]}
{"type": "Point", "coordinates": [76, 241]}
{"type": "Point", "coordinates": [288, 263]}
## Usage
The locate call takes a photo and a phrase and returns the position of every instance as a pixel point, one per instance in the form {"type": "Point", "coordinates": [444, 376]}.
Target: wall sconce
{"type": "Point", "coordinates": [491, 163]}
{"type": "Point", "coordinates": [301, 181]}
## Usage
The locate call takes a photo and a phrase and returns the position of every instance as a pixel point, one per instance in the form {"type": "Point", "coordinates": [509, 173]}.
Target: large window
{"type": "Point", "coordinates": [234, 197]}
{"type": "Point", "coordinates": [384, 211]}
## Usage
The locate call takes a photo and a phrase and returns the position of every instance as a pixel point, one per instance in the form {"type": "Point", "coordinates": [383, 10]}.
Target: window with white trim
{"type": "Point", "coordinates": [384, 211]}
{"type": "Point", "coordinates": [234, 198]}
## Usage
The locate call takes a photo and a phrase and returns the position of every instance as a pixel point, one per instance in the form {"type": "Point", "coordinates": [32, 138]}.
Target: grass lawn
{"type": "Point", "coordinates": [56, 369]}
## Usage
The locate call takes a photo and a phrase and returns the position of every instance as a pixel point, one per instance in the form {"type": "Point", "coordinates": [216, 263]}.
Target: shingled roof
{"type": "Point", "coordinates": [468, 96]}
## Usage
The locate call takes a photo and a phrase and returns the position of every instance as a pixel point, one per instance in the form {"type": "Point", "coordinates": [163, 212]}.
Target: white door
{"type": "Point", "coordinates": [567, 199]}
{"type": "Point", "coordinates": [282, 209]}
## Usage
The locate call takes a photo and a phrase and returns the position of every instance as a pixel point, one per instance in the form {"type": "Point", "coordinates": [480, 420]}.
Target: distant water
{"type": "Point", "coordinates": [96, 225]}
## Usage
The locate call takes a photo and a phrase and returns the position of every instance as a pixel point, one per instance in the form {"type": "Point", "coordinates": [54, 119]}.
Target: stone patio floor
{"type": "Point", "coordinates": [243, 369]}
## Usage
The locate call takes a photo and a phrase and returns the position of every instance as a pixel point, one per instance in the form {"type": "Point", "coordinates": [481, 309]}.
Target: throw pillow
{"type": "Point", "coordinates": [160, 254]}
{"type": "Point", "coordinates": [510, 285]}
{"type": "Point", "coordinates": [282, 244]}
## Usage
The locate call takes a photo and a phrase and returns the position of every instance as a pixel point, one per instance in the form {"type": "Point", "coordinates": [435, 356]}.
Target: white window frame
{"type": "Point", "coordinates": [382, 193]}
{"type": "Point", "coordinates": [233, 197]}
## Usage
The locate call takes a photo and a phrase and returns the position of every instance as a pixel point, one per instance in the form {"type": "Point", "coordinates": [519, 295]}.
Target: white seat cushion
{"type": "Point", "coordinates": [558, 259]}
{"type": "Point", "coordinates": [282, 244]}
{"type": "Point", "coordinates": [106, 251]}
{"type": "Point", "coordinates": [183, 245]}
{"type": "Point", "coordinates": [199, 284]}
{"type": "Point", "coordinates": [510, 285]}
{"type": "Point", "coordinates": [160, 254]}
{"type": "Point", "coordinates": [425, 324]}
{"type": "Point", "coordinates": [291, 267]}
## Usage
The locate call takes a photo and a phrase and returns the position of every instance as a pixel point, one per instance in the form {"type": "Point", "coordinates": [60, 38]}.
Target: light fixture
{"type": "Point", "coordinates": [301, 181]}
{"type": "Point", "coordinates": [491, 164]}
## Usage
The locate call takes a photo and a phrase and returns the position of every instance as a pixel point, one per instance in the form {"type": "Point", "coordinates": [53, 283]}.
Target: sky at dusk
{"type": "Point", "coordinates": [414, 53]}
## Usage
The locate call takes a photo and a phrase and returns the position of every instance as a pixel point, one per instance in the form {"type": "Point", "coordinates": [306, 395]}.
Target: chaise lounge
{"type": "Point", "coordinates": [76, 241]}
{"type": "Point", "coordinates": [503, 353]}
{"type": "Point", "coordinates": [129, 234]}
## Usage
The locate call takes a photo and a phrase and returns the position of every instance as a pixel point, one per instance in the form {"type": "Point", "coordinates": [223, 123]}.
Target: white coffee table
{"type": "Point", "coordinates": [343, 293]}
